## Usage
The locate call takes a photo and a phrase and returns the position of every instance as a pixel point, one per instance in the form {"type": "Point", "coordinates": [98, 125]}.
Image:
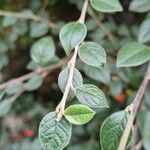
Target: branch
{"type": "Point", "coordinates": [31, 74]}
{"type": "Point", "coordinates": [32, 17]}
{"type": "Point", "coordinates": [133, 110]}
{"type": "Point", "coordinates": [71, 64]}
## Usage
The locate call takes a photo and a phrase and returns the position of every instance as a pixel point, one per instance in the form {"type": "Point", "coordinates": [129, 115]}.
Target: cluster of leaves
{"type": "Point", "coordinates": [88, 100]}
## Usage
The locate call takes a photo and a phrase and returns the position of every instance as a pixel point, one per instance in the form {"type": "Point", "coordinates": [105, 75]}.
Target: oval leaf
{"type": "Point", "coordinates": [112, 129]}
{"type": "Point", "coordinates": [99, 74]}
{"type": "Point", "coordinates": [63, 78]}
{"type": "Point", "coordinates": [92, 54]}
{"type": "Point", "coordinates": [54, 135]}
{"type": "Point", "coordinates": [92, 96]}
{"type": "Point", "coordinates": [140, 6]}
{"type": "Point", "coordinates": [133, 54]}
{"type": "Point", "coordinates": [5, 106]}
{"type": "Point", "coordinates": [106, 6]}
{"type": "Point", "coordinates": [79, 114]}
{"type": "Point", "coordinates": [43, 50]}
{"type": "Point", "coordinates": [71, 35]}
{"type": "Point", "coordinates": [34, 83]}
{"type": "Point", "coordinates": [144, 33]}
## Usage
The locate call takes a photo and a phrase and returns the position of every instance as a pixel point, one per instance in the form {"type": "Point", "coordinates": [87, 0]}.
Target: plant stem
{"type": "Point", "coordinates": [30, 17]}
{"type": "Point", "coordinates": [133, 110]}
{"type": "Point", "coordinates": [71, 64]}
{"type": "Point", "coordinates": [31, 74]}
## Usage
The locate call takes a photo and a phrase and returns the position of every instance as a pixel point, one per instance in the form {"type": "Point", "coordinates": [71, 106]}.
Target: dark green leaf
{"type": "Point", "coordinates": [92, 54]}
{"type": "Point", "coordinates": [54, 135]}
{"type": "Point", "coordinates": [92, 96]}
{"type": "Point", "coordinates": [71, 35]}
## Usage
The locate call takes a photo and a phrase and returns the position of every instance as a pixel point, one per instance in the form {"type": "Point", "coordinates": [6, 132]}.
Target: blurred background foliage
{"type": "Point", "coordinates": [19, 128]}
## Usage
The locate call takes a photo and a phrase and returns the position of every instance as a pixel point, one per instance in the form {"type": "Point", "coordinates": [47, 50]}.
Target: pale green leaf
{"type": "Point", "coordinates": [140, 5]}
{"type": "Point", "coordinates": [54, 135]}
{"type": "Point", "coordinates": [92, 54]}
{"type": "Point", "coordinates": [144, 33]}
{"type": "Point", "coordinates": [38, 29]}
{"type": "Point", "coordinates": [8, 21]}
{"type": "Point", "coordinates": [112, 129]}
{"type": "Point", "coordinates": [43, 50]}
{"type": "Point", "coordinates": [92, 96]}
{"type": "Point", "coordinates": [63, 78]}
{"type": "Point", "coordinates": [98, 74]}
{"type": "Point", "coordinates": [14, 89]}
{"type": "Point", "coordinates": [106, 6]}
{"type": "Point", "coordinates": [133, 54]}
{"type": "Point", "coordinates": [34, 82]}
{"type": "Point", "coordinates": [79, 114]}
{"type": "Point", "coordinates": [71, 35]}
{"type": "Point", "coordinates": [5, 106]}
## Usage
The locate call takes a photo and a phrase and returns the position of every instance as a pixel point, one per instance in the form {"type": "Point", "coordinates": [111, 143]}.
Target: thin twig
{"type": "Point", "coordinates": [71, 64]}
{"type": "Point", "coordinates": [133, 110]}
{"type": "Point", "coordinates": [102, 27]}
{"type": "Point", "coordinates": [31, 74]}
{"type": "Point", "coordinates": [33, 17]}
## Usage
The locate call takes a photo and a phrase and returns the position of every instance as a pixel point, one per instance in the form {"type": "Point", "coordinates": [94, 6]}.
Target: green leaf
{"type": "Point", "coordinates": [2, 93]}
{"type": "Point", "coordinates": [71, 35]}
{"type": "Point", "coordinates": [43, 50]}
{"type": "Point", "coordinates": [92, 96]}
{"type": "Point", "coordinates": [144, 33]}
{"type": "Point", "coordinates": [98, 74]}
{"type": "Point", "coordinates": [106, 6]}
{"type": "Point", "coordinates": [54, 135]}
{"type": "Point", "coordinates": [8, 21]}
{"type": "Point", "coordinates": [63, 78]}
{"type": "Point", "coordinates": [112, 129]}
{"type": "Point", "coordinates": [79, 114]}
{"type": "Point", "coordinates": [92, 54]}
{"type": "Point", "coordinates": [133, 54]}
{"type": "Point", "coordinates": [38, 29]}
{"type": "Point", "coordinates": [140, 6]}
{"type": "Point", "coordinates": [5, 106]}
{"type": "Point", "coordinates": [14, 89]}
{"type": "Point", "coordinates": [34, 83]}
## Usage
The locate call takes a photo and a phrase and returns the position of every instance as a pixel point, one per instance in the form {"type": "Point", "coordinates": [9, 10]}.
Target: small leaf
{"type": "Point", "coordinates": [99, 74]}
{"type": "Point", "coordinates": [14, 89]}
{"type": "Point", "coordinates": [144, 33]}
{"type": "Point", "coordinates": [38, 29]}
{"type": "Point", "coordinates": [112, 129]}
{"type": "Point", "coordinates": [5, 106]}
{"type": "Point", "coordinates": [54, 135]}
{"type": "Point", "coordinates": [43, 50]}
{"type": "Point", "coordinates": [106, 6]}
{"type": "Point", "coordinates": [92, 96]}
{"type": "Point", "coordinates": [8, 21]}
{"type": "Point", "coordinates": [133, 54]}
{"type": "Point", "coordinates": [92, 54]}
{"type": "Point", "coordinates": [63, 78]}
{"type": "Point", "coordinates": [34, 83]}
{"type": "Point", "coordinates": [79, 114]}
{"type": "Point", "coordinates": [71, 35]}
{"type": "Point", "coordinates": [2, 93]}
{"type": "Point", "coordinates": [140, 6]}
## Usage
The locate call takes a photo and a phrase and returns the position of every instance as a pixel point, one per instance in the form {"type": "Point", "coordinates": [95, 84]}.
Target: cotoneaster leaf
{"type": "Point", "coordinates": [63, 78]}
{"type": "Point", "coordinates": [71, 35]}
{"type": "Point", "coordinates": [91, 96]}
{"type": "Point", "coordinates": [79, 114]}
{"type": "Point", "coordinates": [133, 54]}
{"type": "Point", "coordinates": [106, 6]}
{"type": "Point", "coordinates": [43, 50]}
{"type": "Point", "coordinates": [54, 135]}
{"type": "Point", "coordinates": [112, 129]}
{"type": "Point", "coordinates": [92, 54]}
